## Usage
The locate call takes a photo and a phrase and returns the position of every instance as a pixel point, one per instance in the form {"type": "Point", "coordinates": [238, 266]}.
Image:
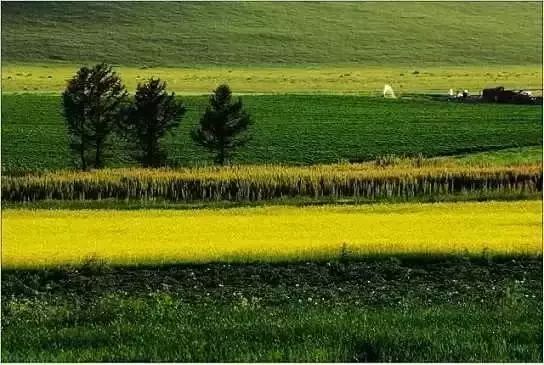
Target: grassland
{"type": "Point", "coordinates": [333, 128]}
{"type": "Point", "coordinates": [358, 79]}
{"type": "Point", "coordinates": [279, 262]}
{"type": "Point", "coordinates": [42, 238]}
{"type": "Point", "coordinates": [405, 309]}
{"type": "Point", "coordinates": [161, 329]}
{"type": "Point", "coordinates": [180, 34]}
{"type": "Point", "coordinates": [508, 157]}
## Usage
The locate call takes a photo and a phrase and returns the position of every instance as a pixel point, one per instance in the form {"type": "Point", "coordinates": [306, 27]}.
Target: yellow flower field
{"type": "Point", "coordinates": [37, 238]}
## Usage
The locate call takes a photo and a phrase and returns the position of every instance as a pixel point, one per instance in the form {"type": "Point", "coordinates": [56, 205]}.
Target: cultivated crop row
{"type": "Point", "coordinates": [255, 183]}
{"type": "Point", "coordinates": [290, 129]}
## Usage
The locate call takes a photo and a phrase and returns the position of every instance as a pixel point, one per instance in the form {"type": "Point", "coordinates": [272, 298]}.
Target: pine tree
{"type": "Point", "coordinates": [223, 124]}
{"type": "Point", "coordinates": [153, 113]}
{"type": "Point", "coordinates": [92, 105]}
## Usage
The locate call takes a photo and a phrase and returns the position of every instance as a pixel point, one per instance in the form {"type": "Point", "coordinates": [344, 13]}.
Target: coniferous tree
{"type": "Point", "coordinates": [152, 114]}
{"type": "Point", "coordinates": [92, 105]}
{"type": "Point", "coordinates": [223, 124]}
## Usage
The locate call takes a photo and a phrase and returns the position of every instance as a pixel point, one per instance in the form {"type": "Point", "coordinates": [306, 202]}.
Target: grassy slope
{"type": "Point", "coordinates": [293, 129]}
{"type": "Point", "coordinates": [509, 156]}
{"type": "Point", "coordinates": [175, 34]}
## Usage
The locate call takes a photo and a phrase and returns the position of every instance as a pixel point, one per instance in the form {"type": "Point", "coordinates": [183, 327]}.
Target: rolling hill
{"type": "Point", "coordinates": [262, 33]}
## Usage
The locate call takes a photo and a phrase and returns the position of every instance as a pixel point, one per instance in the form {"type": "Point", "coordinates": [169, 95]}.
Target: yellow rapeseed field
{"type": "Point", "coordinates": [37, 238]}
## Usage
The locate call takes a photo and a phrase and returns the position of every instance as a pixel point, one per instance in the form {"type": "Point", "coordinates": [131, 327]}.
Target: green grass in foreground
{"type": "Point", "coordinates": [415, 308]}
{"type": "Point", "coordinates": [292, 129]}
{"type": "Point", "coordinates": [257, 33]}
{"type": "Point", "coordinates": [159, 328]}
{"type": "Point", "coordinates": [328, 79]}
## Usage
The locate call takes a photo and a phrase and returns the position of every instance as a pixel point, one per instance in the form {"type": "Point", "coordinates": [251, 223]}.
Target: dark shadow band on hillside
{"type": "Point", "coordinates": [92, 265]}
{"type": "Point", "coordinates": [382, 281]}
{"type": "Point", "coordinates": [454, 153]}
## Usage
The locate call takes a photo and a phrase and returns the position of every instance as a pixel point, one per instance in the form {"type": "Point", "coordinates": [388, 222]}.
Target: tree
{"type": "Point", "coordinates": [152, 114]}
{"type": "Point", "coordinates": [92, 107]}
{"type": "Point", "coordinates": [223, 125]}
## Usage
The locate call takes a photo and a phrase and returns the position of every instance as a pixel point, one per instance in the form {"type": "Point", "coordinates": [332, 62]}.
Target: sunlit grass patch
{"type": "Point", "coordinates": [287, 79]}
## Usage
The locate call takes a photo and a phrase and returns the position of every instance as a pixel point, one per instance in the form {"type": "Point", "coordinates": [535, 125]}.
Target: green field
{"type": "Point", "coordinates": [161, 329]}
{"type": "Point", "coordinates": [450, 309]}
{"type": "Point", "coordinates": [180, 34]}
{"type": "Point", "coordinates": [509, 156]}
{"type": "Point", "coordinates": [293, 129]}
{"type": "Point", "coordinates": [272, 261]}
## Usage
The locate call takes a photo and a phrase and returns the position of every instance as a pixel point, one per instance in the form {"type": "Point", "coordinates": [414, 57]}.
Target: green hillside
{"type": "Point", "coordinates": [260, 33]}
{"type": "Point", "coordinates": [293, 129]}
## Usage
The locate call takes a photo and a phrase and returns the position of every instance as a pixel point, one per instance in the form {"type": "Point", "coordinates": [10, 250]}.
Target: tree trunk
{"type": "Point", "coordinates": [82, 156]}
{"type": "Point", "coordinates": [98, 155]}
{"type": "Point", "coordinates": [149, 157]}
{"type": "Point", "coordinates": [221, 156]}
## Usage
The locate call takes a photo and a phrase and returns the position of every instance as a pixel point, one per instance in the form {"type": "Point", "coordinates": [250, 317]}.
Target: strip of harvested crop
{"type": "Point", "coordinates": [254, 183]}
{"type": "Point", "coordinates": [37, 238]}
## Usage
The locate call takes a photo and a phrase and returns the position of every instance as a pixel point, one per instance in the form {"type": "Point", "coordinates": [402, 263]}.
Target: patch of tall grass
{"type": "Point", "coordinates": [402, 179]}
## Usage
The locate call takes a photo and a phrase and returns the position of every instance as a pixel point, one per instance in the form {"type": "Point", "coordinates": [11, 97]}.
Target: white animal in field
{"type": "Point", "coordinates": [388, 92]}
{"type": "Point", "coordinates": [450, 93]}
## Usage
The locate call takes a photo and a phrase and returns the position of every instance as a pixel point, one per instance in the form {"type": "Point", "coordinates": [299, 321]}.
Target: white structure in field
{"type": "Point", "coordinates": [388, 92]}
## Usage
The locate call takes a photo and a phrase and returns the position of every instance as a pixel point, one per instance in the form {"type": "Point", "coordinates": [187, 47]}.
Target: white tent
{"type": "Point", "coordinates": [388, 92]}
